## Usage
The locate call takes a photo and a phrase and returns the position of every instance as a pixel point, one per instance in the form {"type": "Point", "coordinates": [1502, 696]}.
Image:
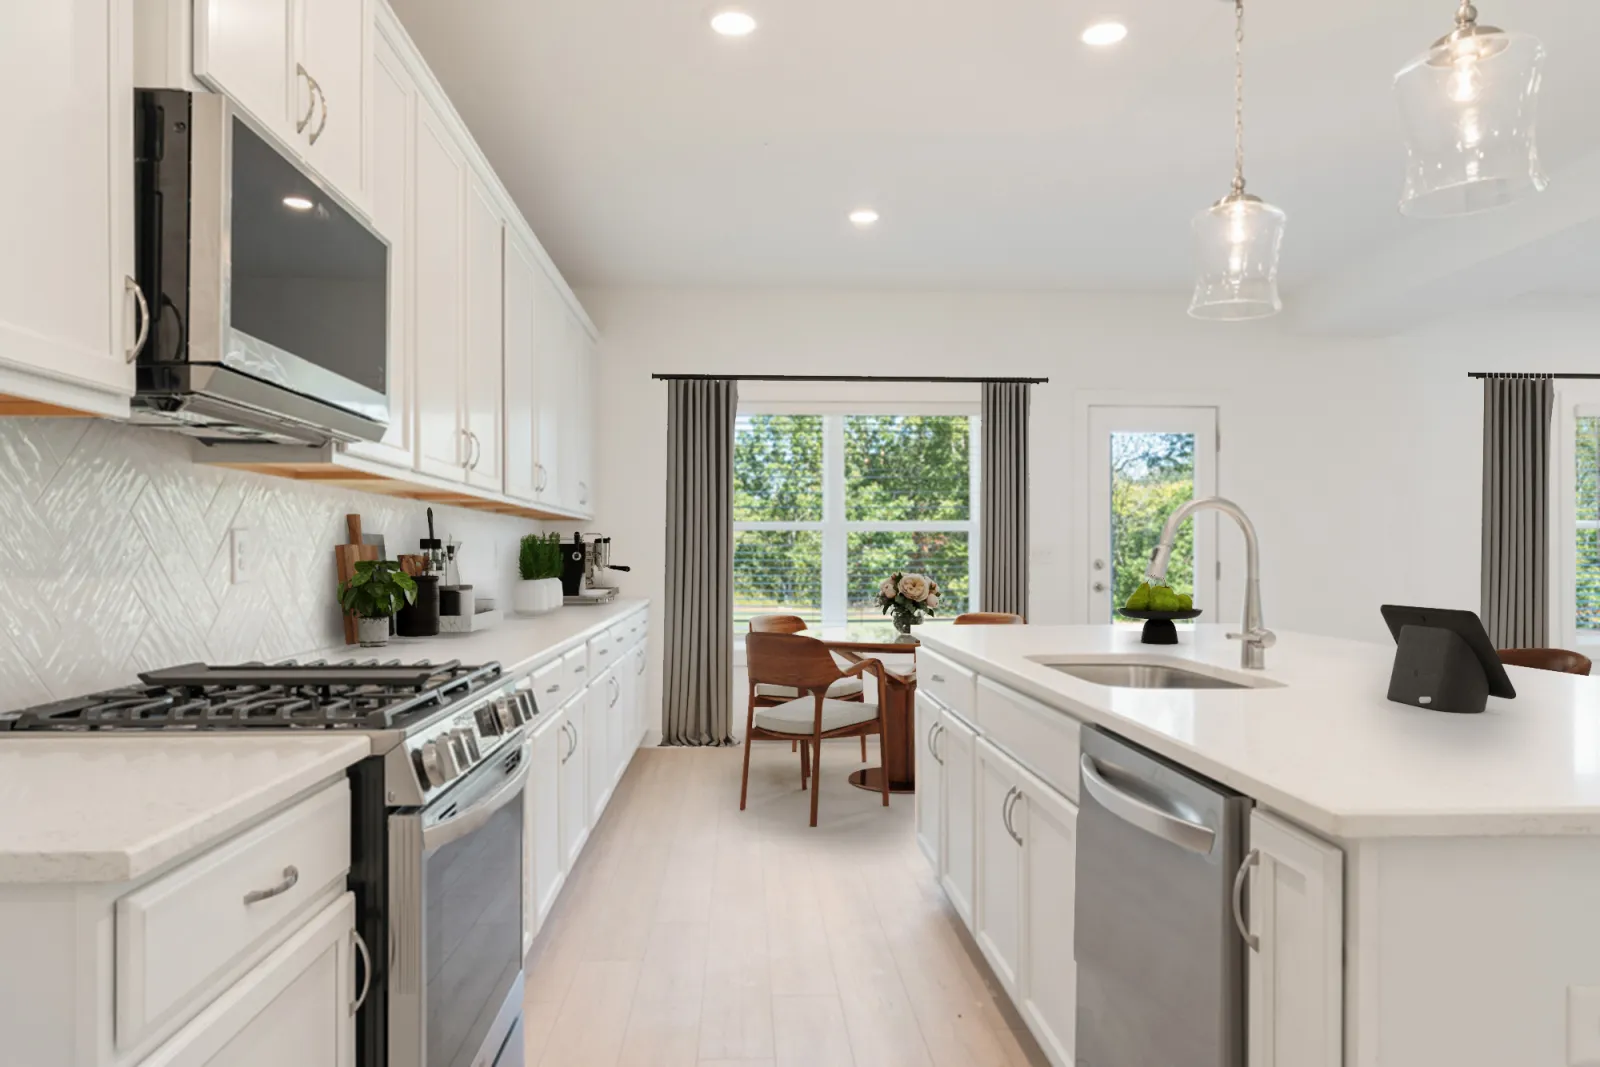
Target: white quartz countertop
{"type": "Point", "coordinates": [113, 808]}
{"type": "Point", "coordinates": [1326, 747]}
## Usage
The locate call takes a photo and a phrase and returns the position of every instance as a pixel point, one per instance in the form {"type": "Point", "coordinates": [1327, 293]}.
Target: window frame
{"type": "Point", "coordinates": [1574, 399]}
{"type": "Point", "coordinates": [836, 529]}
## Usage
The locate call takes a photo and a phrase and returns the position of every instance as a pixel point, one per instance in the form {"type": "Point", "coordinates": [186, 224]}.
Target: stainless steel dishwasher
{"type": "Point", "coordinates": [1160, 958]}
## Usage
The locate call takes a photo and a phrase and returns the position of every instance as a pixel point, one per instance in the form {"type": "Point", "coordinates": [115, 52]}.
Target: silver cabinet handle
{"type": "Point", "coordinates": [556, 688]}
{"type": "Point", "coordinates": [291, 875]}
{"type": "Point", "coordinates": [144, 318]}
{"type": "Point", "coordinates": [1196, 837]}
{"type": "Point", "coordinates": [936, 678]}
{"type": "Point", "coordinates": [311, 108]}
{"type": "Point", "coordinates": [583, 492]}
{"type": "Point", "coordinates": [538, 477]}
{"type": "Point", "coordinates": [1239, 881]}
{"type": "Point", "coordinates": [1016, 795]}
{"type": "Point", "coordinates": [616, 693]}
{"type": "Point", "coordinates": [938, 739]}
{"type": "Point", "coordinates": [932, 729]}
{"type": "Point", "coordinates": [323, 123]}
{"type": "Point", "coordinates": [1005, 813]}
{"type": "Point", "coordinates": [639, 668]}
{"type": "Point", "coordinates": [566, 731]}
{"type": "Point", "coordinates": [477, 450]}
{"type": "Point", "coordinates": [366, 971]}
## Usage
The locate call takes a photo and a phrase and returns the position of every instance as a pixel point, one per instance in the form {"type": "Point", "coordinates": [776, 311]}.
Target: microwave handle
{"type": "Point", "coordinates": [474, 818]}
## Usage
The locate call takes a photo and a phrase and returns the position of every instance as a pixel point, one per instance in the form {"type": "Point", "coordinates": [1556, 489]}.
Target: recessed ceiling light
{"type": "Point", "coordinates": [298, 203]}
{"type": "Point", "coordinates": [1102, 34]}
{"type": "Point", "coordinates": [864, 216]}
{"type": "Point", "coordinates": [733, 23]}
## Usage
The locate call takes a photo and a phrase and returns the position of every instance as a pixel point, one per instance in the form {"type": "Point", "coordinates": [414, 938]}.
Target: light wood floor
{"type": "Point", "coordinates": [692, 934]}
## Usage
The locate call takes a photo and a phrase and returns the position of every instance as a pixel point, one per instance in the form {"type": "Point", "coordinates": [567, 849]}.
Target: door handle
{"type": "Point", "coordinates": [1239, 882]}
{"type": "Point", "coordinates": [323, 123]}
{"type": "Point", "coordinates": [933, 731]}
{"type": "Point", "coordinates": [291, 875]}
{"type": "Point", "coordinates": [366, 971]}
{"type": "Point", "coordinates": [1016, 795]}
{"type": "Point", "coordinates": [144, 319]}
{"type": "Point", "coordinates": [311, 107]}
{"type": "Point", "coordinates": [1193, 836]}
{"type": "Point", "coordinates": [1099, 587]}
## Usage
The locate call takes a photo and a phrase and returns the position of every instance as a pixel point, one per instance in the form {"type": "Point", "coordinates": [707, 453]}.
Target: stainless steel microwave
{"type": "Point", "coordinates": [267, 299]}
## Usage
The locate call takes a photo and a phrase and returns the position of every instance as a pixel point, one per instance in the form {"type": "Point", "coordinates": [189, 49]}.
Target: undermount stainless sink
{"type": "Point", "coordinates": [1143, 676]}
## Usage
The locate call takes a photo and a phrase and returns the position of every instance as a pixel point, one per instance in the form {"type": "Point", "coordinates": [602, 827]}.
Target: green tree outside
{"type": "Point", "coordinates": [1152, 475]}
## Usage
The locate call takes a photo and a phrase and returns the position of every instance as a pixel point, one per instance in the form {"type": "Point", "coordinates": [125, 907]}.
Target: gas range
{"type": "Point", "coordinates": [430, 722]}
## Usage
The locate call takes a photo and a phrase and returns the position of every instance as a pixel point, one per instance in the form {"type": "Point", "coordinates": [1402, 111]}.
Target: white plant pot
{"type": "Point", "coordinates": [372, 633]}
{"type": "Point", "coordinates": [536, 597]}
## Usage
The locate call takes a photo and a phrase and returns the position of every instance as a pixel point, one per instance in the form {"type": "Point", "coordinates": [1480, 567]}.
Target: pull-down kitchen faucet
{"type": "Point", "coordinates": [1256, 638]}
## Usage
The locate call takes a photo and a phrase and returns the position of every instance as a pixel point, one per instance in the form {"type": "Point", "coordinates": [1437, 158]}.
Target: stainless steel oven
{"type": "Point", "coordinates": [455, 922]}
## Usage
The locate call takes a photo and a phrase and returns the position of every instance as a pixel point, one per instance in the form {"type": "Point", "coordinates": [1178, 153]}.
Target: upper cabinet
{"type": "Point", "coordinates": [438, 311]}
{"type": "Point", "coordinates": [483, 369]}
{"type": "Point", "coordinates": [303, 70]}
{"type": "Point", "coordinates": [71, 317]}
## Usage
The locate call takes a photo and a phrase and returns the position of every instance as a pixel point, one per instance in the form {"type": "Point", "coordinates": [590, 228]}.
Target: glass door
{"type": "Point", "coordinates": [1144, 463]}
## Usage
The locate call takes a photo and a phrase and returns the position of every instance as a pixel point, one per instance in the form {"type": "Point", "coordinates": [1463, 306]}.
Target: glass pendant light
{"type": "Point", "coordinates": [1468, 107]}
{"type": "Point", "coordinates": [1237, 239]}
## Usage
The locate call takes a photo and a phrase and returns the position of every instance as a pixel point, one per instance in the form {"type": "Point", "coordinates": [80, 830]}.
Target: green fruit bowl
{"type": "Point", "coordinates": [1158, 628]}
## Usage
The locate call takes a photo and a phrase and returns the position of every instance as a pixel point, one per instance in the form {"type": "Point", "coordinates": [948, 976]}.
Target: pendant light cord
{"type": "Point", "coordinates": [1238, 97]}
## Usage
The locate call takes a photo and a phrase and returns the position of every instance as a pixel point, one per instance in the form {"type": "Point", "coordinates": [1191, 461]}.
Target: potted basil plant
{"type": "Point", "coordinates": [377, 590]}
{"type": "Point", "coordinates": [539, 563]}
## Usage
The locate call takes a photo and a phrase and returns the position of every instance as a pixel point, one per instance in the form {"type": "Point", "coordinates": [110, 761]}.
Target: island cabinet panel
{"type": "Point", "coordinates": [928, 799]}
{"type": "Point", "coordinates": [947, 681]}
{"type": "Point", "coordinates": [1296, 982]}
{"type": "Point", "coordinates": [958, 766]}
{"type": "Point", "coordinates": [998, 915]}
{"type": "Point", "coordinates": [1042, 738]}
{"type": "Point", "coordinates": [1048, 824]}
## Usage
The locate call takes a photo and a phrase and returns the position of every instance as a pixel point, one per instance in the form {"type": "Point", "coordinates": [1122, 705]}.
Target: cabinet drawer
{"type": "Point", "coordinates": [602, 651]}
{"type": "Point", "coordinates": [550, 685]}
{"type": "Point", "coordinates": [947, 682]}
{"type": "Point", "coordinates": [636, 626]}
{"type": "Point", "coordinates": [575, 665]}
{"type": "Point", "coordinates": [1040, 738]}
{"type": "Point", "coordinates": [175, 935]}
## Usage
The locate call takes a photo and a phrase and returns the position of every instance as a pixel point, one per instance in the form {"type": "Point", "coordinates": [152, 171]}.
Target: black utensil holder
{"type": "Point", "coordinates": [421, 619]}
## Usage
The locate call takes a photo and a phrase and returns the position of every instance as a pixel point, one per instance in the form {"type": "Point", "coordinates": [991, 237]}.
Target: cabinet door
{"type": "Point", "coordinates": [597, 715]}
{"type": "Point", "coordinates": [245, 48]}
{"type": "Point", "coordinates": [66, 311]}
{"type": "Point", "coordinates": [1047, 822]}
{"type": "Point", "coordinates": [438, 229]}
{"type": "Point", "coordinates": [543, 825]}
{"type": "Point", "coordinates": [485, 325]}
{"type": "Point", "coordinates": [1296, 985]}
{"type": "Point", "coordinates": [577, 427]}
{"type": "Point", "coordinates": [958, 755]}
{"type": "Point", "coordinates": [522, 277]}
{"type": "Point", "coordinates": [551, 389]}
{"type": "Point", "coordinates": [998, 925]}
{"type": "Point", "coordinates": [574, 783]}
{"type": "Point", "coordinates": [930, 778]}
{"type": "Point", "coordinates": [641, 692]}
{"type": "Point", "coordinates": [621, 724]}
{"type": "Point", "coordinates": [296, 1007]}
{"type": "Point", "coordinates": [335, 50]}
{"type": "Point", "coordinates": [393, 125]}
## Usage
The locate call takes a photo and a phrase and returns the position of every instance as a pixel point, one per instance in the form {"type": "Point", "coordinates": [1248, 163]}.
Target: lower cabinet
{"type": "Point", "coordinates": [571, 770]}
{"type": "Point", "coordinates": [930, 777]}
{"type": "Point", "coordinates": [957, 745]}
{"type": "Point", "coordinates": [1296, 972]}
{"type": "Point", "coordinates": [596, 730]}
{"type": "Point", "coordinates": [296, 1007]}
{"type": "Point", "coordinates": [545, 870]}
{"type": "Point", "coordinates": [1047, 822]}
{"type": "Point", "coordinates": [997, 919]}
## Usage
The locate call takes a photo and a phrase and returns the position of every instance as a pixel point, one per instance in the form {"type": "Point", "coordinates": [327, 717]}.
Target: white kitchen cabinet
{"type": "Point", "coordinates": [394, 103]}
{"type": "Point", "coordinates": [572, 771]}
{"type": "Point", "coordinates": [599, 702]}
{"type": "Point", "coordinates": [296, 1007]}
{"type": "Point", "coordinates": [1047, 822]}
{"type": "Point", "coordinates": [551, 391]}
{"type": "Point", "coordinates": [958, 843]}
{"type": "Point", "coordinates": [624, 738]}
{"type": "Point", "coordinates": [438, 230]}
{"type": "Point", "coordinates": [483, 369]}
{"type": "Point", "coordinates": [521, 406]}
{"type": "Point", "coordinates": [1296, 980]}
{"type": "Point", "coordinates": [641, 692]}
{"type": "Point", "coordinates": [69, 313]}
{"type": "Point", "coordinates": [577, 427]}
{"type": "Point", "coordinates": [546, 869]}
{"type": "Point", "coordinates": [997, 924]}
{"type": "Point", "coordinates": [928, 800]}
{"type": "Point", "coordinates": [246, 49]}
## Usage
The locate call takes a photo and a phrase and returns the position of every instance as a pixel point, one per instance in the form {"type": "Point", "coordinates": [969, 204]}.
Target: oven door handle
{"type": "Point", "coordinates": [474, 818]}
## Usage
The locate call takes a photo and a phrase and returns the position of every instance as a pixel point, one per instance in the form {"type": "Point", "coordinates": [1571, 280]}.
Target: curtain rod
{"type": "Point", "coordinates": [837, 378]}
{"type": "Point", "coordinates": [1500, 374]}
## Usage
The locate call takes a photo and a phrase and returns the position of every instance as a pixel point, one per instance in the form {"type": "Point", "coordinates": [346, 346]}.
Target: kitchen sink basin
{"type": "Point", "coordinates": [1124, 675]}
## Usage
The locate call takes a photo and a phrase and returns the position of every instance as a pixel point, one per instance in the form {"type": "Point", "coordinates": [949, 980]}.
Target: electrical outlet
{"type": "Point", "coordinates": [1583, 1026]}
{"type": "Point", "coordinates": [242, 555]}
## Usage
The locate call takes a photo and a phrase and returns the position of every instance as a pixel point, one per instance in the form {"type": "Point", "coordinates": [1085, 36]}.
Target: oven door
{"type": "Point", "coordinates": [455, 884]}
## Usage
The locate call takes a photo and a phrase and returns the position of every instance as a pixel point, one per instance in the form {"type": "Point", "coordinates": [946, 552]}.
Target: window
{"type": "Point", "coordinates": [827, 506]}
{"type": "Point", "coordinates": [1586, 501]}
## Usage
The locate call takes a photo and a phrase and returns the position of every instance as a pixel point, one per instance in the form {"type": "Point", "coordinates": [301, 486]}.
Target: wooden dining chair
{"type": "Point", "coordinates": [1547, 659]}
{"type": "Point", "coordinates": [805, 664]}
{"type": "Point", "coordinates": [989, 618]}
{"type": "Point", "coordinates": [770, 695]}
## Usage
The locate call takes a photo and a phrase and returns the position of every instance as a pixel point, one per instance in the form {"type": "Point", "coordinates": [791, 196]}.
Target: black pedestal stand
{"type": "Point", "coordinates": [1435, 668]}
{"type": "Point", "coordinates": [1158, 628]}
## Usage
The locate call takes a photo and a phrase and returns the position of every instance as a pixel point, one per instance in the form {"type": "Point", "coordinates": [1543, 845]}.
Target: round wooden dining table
{"type": "Point", "coordinates": [880, 640]}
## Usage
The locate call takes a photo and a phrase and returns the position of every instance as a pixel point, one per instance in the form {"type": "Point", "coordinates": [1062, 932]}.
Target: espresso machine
{"type": "Point", "coordinates": [586, 570]}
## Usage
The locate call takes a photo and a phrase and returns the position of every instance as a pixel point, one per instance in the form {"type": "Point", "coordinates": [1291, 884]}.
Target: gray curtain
{"type": "Point", "coordinates": [697, 691]}
{"type": "Point", "coordinates": [1003, 568]}
{"type": "Point", "coordinates": [1516, 468]}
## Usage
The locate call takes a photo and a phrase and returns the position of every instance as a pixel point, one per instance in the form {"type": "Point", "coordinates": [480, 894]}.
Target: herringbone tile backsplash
{"type": "Point", "coordinates": [116, 557]}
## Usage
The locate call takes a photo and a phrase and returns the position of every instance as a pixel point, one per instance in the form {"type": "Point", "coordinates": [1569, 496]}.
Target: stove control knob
{"type": "Point", "coordinates": [521, 701]}
{"type": "Point", "coordinates": [455, 742]}
{"type": "Point", "coordinates": [469, 745]}
{"type": "Point", "coordinates": [439, 763]}
{"type": "Point", "coordinates": [489, 721]}
{"type": "Point", "coordinates": [506, 709]}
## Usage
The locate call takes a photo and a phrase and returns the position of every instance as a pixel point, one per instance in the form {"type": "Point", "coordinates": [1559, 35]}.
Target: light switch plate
{"type": "Point", "coordinates": [242, 555]}
{"type": "Point", "coordinates": [1583, 1026]}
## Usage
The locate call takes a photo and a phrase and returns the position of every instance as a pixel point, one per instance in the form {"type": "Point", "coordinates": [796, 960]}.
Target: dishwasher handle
{"type": "Point", "coordinates": [1193, 836]}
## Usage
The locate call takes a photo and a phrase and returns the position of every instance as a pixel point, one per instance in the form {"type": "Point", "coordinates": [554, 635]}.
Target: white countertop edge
{"type": "Point", "coordinates": [1495, 822]}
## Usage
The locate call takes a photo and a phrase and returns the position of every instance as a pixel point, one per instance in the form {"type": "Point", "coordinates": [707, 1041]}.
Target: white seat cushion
{"type": "Point", "coordinates": [799, 716]}
{"type": "Point", "coordinates": [844, 687]}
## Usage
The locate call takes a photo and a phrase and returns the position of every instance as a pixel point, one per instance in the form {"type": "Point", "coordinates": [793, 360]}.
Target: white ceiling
{"type": "Point", "coordinates": [1001, 152]}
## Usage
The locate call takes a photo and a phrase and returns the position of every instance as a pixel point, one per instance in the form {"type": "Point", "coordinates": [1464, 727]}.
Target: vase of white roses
{"type": "Point", "coordinates": [908, 597]}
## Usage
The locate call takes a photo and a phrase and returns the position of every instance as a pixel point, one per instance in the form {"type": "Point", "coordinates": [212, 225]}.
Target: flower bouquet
{"type": "Point", "coordinates": [908, 597]}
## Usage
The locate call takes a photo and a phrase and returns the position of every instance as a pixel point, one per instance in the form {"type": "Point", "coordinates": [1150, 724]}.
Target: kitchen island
{"type": "Point", "coordinates": [1420, 887]}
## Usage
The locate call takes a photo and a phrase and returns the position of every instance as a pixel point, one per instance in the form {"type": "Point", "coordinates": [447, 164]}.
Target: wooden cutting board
{"type": "Point", "coordinates": [345, 558]}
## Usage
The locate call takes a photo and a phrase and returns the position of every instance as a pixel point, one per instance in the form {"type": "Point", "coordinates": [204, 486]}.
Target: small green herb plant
{"type": "Point", "coordinates": [540, 557]}
{"type": "Point", "coordinates": [378, 589]}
